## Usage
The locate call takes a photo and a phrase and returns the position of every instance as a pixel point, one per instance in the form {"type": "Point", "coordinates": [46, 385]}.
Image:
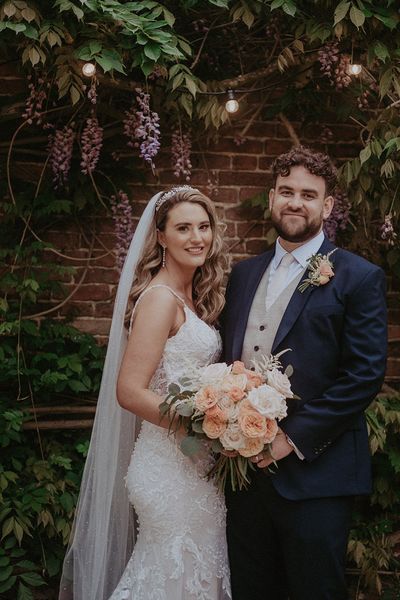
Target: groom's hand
{"type": "Point", "coordinates": [280, 448]}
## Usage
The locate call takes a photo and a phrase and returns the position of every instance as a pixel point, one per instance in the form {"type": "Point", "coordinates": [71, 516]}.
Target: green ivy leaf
{"type": "Point", "coordinates": [289, 8]}
{"type": "Point", "coordinates": [7, 585]}
{"type": "Point", "coordinates": [5, 573]}
{"type": "Point", "coordinates": [340, 12]}
{"type": "Point", "coordinates": [152, 51]}
{"type": "Point", "coordinates": [381, 51]}
{"type": "Point", "coordinates": [365, 154]}
{"type": "Point", "coordinates": [24, 593]}
{"type": "Point", "coordinates": [357, 16]}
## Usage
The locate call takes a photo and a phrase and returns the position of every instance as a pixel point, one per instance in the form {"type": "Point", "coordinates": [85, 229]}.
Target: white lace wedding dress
{"type": "Point", "coordinates": [180, 551]}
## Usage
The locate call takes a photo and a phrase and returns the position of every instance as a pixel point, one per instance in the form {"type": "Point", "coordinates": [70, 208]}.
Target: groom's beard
{"type": "Point", "coordinates": [296, 227]}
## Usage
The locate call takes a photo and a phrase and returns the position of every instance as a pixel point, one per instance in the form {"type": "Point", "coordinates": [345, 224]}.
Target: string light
{"type": "Point", "coordinates": [89, 69]}
{"type": "Point", "coordinates": [354, 69]}
{"type": "Point", "coordinates": [231, 105]}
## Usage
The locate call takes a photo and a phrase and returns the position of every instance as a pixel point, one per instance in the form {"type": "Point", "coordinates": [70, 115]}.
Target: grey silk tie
{"type": "Point", "coordinates": [278, 280]}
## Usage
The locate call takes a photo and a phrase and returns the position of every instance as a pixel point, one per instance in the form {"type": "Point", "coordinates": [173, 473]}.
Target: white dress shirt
{"type": "Point", "coordinates": [300, 254]}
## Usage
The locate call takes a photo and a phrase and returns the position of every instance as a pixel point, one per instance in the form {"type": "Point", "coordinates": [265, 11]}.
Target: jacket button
{"type": "Point", "coordinates": [256, 348]}
{"type": "Point", "coordinates": [262, 327]}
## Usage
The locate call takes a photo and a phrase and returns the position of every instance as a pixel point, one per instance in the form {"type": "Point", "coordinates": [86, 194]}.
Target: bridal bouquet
{"type": "Point", "coordinates": [231, 409]}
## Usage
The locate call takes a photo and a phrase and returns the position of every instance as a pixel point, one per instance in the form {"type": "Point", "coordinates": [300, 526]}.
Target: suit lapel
{"type": "Point", "coordinates": [297, 302]}
{"type": "Point", "coordinates": [247, 295]}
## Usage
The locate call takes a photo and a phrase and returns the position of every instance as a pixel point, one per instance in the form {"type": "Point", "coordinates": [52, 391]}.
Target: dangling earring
{"type": "Point", "coordinates": [164, 251]}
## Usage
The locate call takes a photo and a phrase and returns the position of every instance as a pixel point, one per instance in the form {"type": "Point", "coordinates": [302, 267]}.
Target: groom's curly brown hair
{"type": "Point", "coordinates": [317, 163]}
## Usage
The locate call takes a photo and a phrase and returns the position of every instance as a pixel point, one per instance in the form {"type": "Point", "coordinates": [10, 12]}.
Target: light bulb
{"type": "Point", "coordinates": [89, 69]}
{"type": "Point", "coordinates": [354, 69]}
{"type": "Point", "coordinates": [231, 105]}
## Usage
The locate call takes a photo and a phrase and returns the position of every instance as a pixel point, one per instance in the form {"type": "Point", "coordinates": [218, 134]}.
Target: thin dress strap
{"type": "Point", "coordinates": [156, 285]}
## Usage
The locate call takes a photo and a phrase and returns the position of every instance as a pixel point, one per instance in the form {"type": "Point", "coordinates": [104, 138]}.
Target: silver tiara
{"type": "Point", "coordinates": [167, 195]}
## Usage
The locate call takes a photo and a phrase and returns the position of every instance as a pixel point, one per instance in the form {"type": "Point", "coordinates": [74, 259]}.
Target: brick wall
{"type": "Point", "coordinates": [228, 173]}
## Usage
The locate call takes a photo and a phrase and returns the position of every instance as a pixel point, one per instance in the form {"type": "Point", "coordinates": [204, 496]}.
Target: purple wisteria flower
{"type": "Point", "coordinates": [123, 224]}
{"type": "Point", "coordinates": [91, 142]}
{"type": "Point", "coordinates": [334, 65]}
{"type": "Point", "coordinates": [181, 146]}
{"type": "Point", "coordinates": [339, 217]}
{"type": "Point", "coordinates": [60, 146]}
{"type": "Point", "coordinates": [34, 103]}
{"type": "Point", "coordinates": [142, 128]}
{"type": "Point", "coordinates": [387, 230]}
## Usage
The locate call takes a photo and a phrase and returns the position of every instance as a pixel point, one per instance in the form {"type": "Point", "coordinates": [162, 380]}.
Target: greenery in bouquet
{"type": "Point", "coordinates": [232, 410]}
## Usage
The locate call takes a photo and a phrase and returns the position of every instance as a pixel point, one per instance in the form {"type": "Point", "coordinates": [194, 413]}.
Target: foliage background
{"type": "Point", "coordinates": [186, 55]}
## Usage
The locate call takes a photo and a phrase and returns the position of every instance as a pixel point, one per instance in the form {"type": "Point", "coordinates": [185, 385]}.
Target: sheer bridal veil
{"type": "Point", "coordinates": [103, 532]}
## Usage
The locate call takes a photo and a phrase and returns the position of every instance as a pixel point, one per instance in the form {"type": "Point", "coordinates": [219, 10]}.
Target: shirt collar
{"type": "Point", "coordinates": [303, 253]}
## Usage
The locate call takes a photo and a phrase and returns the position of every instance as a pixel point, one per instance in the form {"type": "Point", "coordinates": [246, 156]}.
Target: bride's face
{"type": "Point", "coordinates": [187, 235]}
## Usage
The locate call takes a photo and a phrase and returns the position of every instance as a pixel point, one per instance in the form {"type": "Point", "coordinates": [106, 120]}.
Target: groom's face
{"type": "Point", "coordinates": [299, 205]}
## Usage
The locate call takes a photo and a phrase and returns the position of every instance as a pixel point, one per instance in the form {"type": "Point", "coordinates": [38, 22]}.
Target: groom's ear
{"type": "Point", "coordinates": [271, 197]}
{"type": "Point", "coordinates": [329, 201]}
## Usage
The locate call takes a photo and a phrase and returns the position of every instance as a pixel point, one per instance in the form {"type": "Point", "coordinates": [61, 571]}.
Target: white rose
{"type": "Point", "coordinates": [268, 402]}
{"type": "Point", "coordinates": [280, 382]}
{"type": "Point", "coordinates": [214, 374]}
{"type": "Point", "coordinates": [233, 438]}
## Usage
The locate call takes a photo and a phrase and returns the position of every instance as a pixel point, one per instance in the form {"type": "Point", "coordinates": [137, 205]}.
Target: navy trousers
{"type": "Point", "coordinates": [282, 549]}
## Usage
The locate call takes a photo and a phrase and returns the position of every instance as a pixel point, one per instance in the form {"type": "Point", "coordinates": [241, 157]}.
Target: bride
{"type": "Point", "coordinates": [177, 548]}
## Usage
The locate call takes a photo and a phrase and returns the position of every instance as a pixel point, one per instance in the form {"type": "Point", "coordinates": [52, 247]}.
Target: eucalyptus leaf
{"type": "Point", "coordinates": [174, 389]}
{"type": "Point", "coordinates": [190, 446]}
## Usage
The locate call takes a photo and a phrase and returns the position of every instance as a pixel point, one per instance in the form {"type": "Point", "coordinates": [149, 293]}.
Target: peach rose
{"type": "Point", "coordinates": [254, 380]}
{"type": "Point", "coordinates": [238, 368]}
{"type": "Point", "coordinates": [236, 393]}
{"type": "Point", "coordinates": [326, 269]}
{"type": "Point", "coordinates": [232, 380]}
{"type": "Point", "coordinates": [206, 398]}
{"type": "Point", "coordinates": [252, 424]}
{"type": "Point", "coordinates": [325, 272]}
{"type": "Point", "coordinates": [252, 447]}
{"type": "Point", "coordinates": [214, 423]}
{"type": "Point", "coordinates": [272, 430]}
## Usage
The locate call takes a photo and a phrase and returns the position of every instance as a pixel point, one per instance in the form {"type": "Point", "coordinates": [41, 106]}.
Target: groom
{"type": "Point", "coordinates": [287, 534]}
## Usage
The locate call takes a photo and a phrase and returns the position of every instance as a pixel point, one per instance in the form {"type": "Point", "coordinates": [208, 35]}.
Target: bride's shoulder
{"type": "Point", "coordinates": [157, 303]}
{"type": "Point", "coordinates": [159, 293]}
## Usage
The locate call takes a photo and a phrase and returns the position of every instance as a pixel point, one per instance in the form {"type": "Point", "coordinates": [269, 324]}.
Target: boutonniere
{"type": "Point", "coordinates": [320, 271]}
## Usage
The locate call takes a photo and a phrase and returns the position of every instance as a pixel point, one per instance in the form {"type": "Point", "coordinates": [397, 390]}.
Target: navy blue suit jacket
{"type": "Point", "coordinates": [338, 341]}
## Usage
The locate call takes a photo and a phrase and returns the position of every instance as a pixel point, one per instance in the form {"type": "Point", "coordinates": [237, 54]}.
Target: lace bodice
{"type": "Point", "coordinates": [194, 344]}
{"type": "Point", "coordinates": [180, 553]}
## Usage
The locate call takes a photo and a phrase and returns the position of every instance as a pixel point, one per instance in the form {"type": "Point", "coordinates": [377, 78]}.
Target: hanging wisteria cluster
{"type": "Point", "coordinates": [387, 231]}
{"type": "Point", "coordinates": [91, 143]}
{"type": "Point", "coordinates": [34, 103]}
{"type": "Point", "coordinates": [181, 146]}
{"type": "Point", "coordinates": [61, 144]}
{"type": "Point", "coordinates": [123, 225]}
{"type": "Point", "coordinates": [141, 126]}
{"type": "Point", "coordinates": [92, 91]}
{"type": "Point", "coordinates": [334, 65]}
{"type": "Point", "coordinates": [339, 217]}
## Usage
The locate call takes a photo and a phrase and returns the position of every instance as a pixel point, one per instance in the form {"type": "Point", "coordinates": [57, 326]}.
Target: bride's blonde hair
{"type": "Point", "coordinates": [207, 282]}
